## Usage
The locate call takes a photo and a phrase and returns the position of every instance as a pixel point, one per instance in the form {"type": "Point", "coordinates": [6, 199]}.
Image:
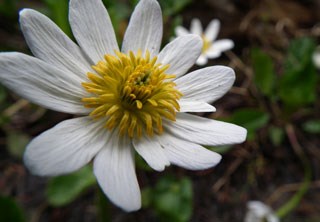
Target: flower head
{"type": "Point", "coordinates": [258, 212]}
{"type": "Point", "coordinates": [211, 48]}
{"type": "Point", "coordinates": [133, 99]}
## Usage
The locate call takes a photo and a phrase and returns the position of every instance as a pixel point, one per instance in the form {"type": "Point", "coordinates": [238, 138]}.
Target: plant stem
{"type": "Point", "coordinates": [295, 200]}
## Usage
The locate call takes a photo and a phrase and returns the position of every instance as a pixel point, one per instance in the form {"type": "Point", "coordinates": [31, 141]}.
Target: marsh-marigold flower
{"type": "Point", "coordinates": [133, 99]}
{"type": "Point", "coordinates": [211, 47]}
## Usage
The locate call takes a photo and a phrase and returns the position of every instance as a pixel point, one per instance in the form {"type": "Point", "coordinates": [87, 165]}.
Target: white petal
{"type": "Point", "coordinates": [152, 152]}
{"type": "Point", "coordinates": [188, 155]}
{"type": "Point", "coordinates": [258, 211]}
{"type": "Point", "coordinates": [180, 31]}
{"type": "Point", "coordinates": [207, 84]}
{"type": "Point", "coordinates": [205, 131]}
{"type": "Point", "coordinates": [223, 45]}
{"type": "Point", "coordinates": [213, 52]}
{"type": "Point", "coordinates": [144, 31]}
{"type": "Point", "coordinates": [202, 60]}
{"type": "Point", "coordinates": [42, 83]}
{"type": "Point", "coordinates": [114, 169]}
{"type": "Point", "coordinates": [316, 57]}
{"type": "Point", "coordinates": [196, 27]}
{"type": "Point", "coordinates": [92, 27]}
{"type": "Point", "coordinates": [181, 54]}
{"type": "Point", "coordinates": [187, 105]}
{"type": "Point", "coordinates": [66, 147]}
{"type": "Point", "coordinates": [48, 43]}
{"type": "Point", "coordinates": [212, 30]}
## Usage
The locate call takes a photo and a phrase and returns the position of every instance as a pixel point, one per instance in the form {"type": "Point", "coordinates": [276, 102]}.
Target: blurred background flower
{"type": "Point", "coordinates": [258, 211]}
{"type": "Point", "coordinates": [211, 48]}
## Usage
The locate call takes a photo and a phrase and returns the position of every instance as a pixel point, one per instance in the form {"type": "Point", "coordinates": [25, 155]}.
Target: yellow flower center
{"type": "Point", "coordinates": [132, 92]}
{"type": "Point", "coordinates": [206, 44]}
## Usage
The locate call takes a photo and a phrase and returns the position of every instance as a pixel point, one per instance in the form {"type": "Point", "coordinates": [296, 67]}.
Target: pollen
{"type": "Point", "coordinates": [133, 93]}
{"type": "Point", "coordinates": [206, 44]}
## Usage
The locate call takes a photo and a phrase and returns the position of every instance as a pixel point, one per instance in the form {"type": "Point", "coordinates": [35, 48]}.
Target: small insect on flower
{"type": "Point", "coordinates": [133, 99]}
{"type": "Point", "coordinates": [211, 48]}
{"type": "Point", "coordinates": [258, 211]}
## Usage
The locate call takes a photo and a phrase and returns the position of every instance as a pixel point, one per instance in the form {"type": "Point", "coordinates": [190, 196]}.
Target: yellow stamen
{"type": "Point", "coordinates": [132, 92]}
{"type": "Point", "coordinates": [206, 44]}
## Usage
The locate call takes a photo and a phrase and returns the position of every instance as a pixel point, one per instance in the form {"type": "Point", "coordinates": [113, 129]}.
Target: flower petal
{"type": "Point", "coordinates": [42, 83]}
{"type": "Point", "coordinates": [188, 155]}
{"type": "Point", "coordinates": [196, 27]}
{"type": "Point", "coordinates": [207, 84]}
{"type": "Point", "coordinates": [181, 54]}
{"type": "Point", "coordinates": [212, 30]}
{"type": "Point", "coordinates": [48, 43]}
{"type": "Point", "coordinates": [213, 53]}
{"type": "Point", "coordinates": [180, 31]}
{"type": "Point", "coordinates": [92, 27]}
{"type": "Point", "coordinates": [222, 45]}
{"type": "Point", "coordinates": [205, 131]}
{"type": "Point", "coordinates": [66, 147]}
{"type": "Point", "coordinates": [187, 105]}
{"type": "Point", "coordinates": [114, 169]}
{"type": "Point", "coordinates": [144, 31]}
{"type": "Point", "coordinates": [152, 152]}
{"type": "Point", "coordinates": [202, 60]}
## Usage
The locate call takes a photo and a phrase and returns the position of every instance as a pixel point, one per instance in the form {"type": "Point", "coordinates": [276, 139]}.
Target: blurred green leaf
{"type": "Point", "coordinates": [10, 211]}
{"type": "Point", "coordinates": [251, 119]}
{"type": "Point", "coordinates": [3, 94]}
{"type": "Point", "coordinates": [59, 14]}
{"type": "Point", "coordinates": [142, 164]}
{"type": "Point", "coordinates": [146, 196]}
{"type": "Point", "coordinates": [119, 13]}
{"type": "Point", "coordinates": [16, 143]}
{"type": "Point", "coordinates": [8, 8]}
{"type": "Point", "coordinates": [62, 190]}
{"type": "Point", "coordinates": [298, 83]}
{"type": "Point", "coordinates": [276, 135]}
{"type": "Point", "coordinates": [220, 149]}
{"type": "Point", "coordinates": [264, 76]}
{"type": "Point", "coordinates": [312, 126]}
{"type": "Point", "coordinates": [171, 198]}
{"type": "Point", "coordinates": [171, 7]}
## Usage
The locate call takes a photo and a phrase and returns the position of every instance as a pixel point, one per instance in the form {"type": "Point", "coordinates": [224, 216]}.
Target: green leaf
{"type": "Point", "coordinates": [276, 135]}
{"type": "Point", "coordinates": [298, 83]}
{"type": "Point", "coordinates": [10, 211]}
{"type": "Point", "coordinates": [146, 196]}
{"type": "Point", "coordinates": [3, 94]}
{"type": "Point", "coordinates": [119, 12]}
{"type": "Point", "coordinates": [171, 7]}
{"type": "Point", "coordinates": [264, 75]}
{"type": "Point", "coordinates": [8, 8]}
{"type": "Point", "coordinates": [142, 164]}
{"type": "Point", "coordinates": [251, 119]}
{"type": "Point", "coordinates": [172, 199]}
{"type": "Point", "coordinates": [312, 126]}
{"type": "Point", "coordinates": [220, 149]}
{"type": "Point", "coordinates": [59, 14]}
{"type": "Point", "coordinates": [16, 143]}
{"type": "Point", "coordinates": [63, 190]}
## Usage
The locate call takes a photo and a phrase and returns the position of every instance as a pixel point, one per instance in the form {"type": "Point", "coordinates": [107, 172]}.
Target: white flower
{"type": "Point", "coordinates": [136, 100]}
{"type": "Point", "coordinates": [316, 57]}
{"type": "Point", "coordinates": [259, 212]}
{"type": "Point", "coordinates": [211, 48]}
